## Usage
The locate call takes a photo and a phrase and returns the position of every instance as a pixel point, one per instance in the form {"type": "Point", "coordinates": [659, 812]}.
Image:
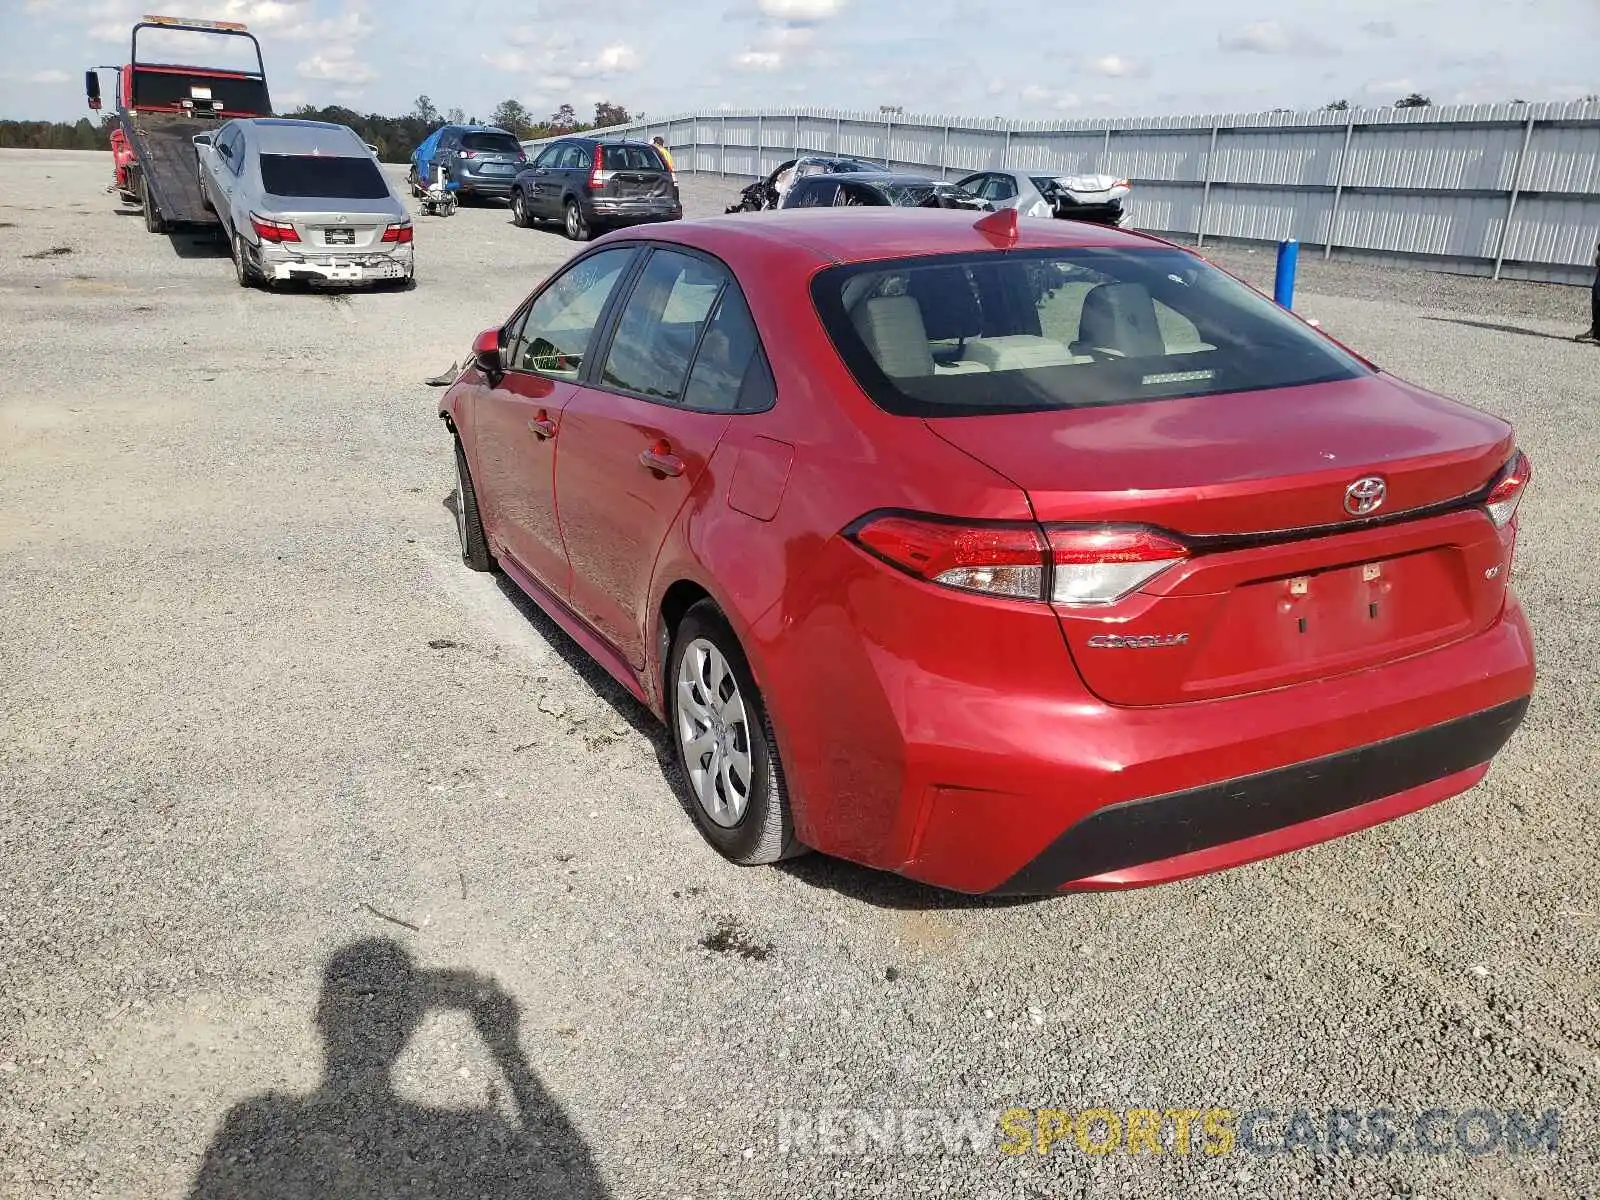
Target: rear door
{"type": "Point", "coordinates": [494, 157]}
{"type": "Point", "coordinates": [632, 173]}
{"type": "Point", "coordinates": [517, 420]}
{"type": "Point", "coordinates": [682, 358]}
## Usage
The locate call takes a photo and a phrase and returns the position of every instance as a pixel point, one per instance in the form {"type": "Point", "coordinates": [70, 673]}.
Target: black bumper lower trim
{"type": "Point", "coordinates": [1160, 827]}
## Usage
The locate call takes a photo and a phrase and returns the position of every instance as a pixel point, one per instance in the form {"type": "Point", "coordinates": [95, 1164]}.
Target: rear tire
{"type": "Point", "coordinates": [576, 227]}
{"type": "Point", "coordinates": [243, 272]}
{"type": "Point", "coordinates": [724, 744]}
{"type": "Point", "coordinates": [520, 216]}
{"type": "Point", "coordinates": [469, 523]}
{"type": "Point", "coordinates": [152, 215]}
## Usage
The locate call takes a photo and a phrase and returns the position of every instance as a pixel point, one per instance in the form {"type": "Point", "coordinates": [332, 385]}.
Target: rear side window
{"type": "Point", "coordinates": [631, 158]}
{"type": "Point", "coordinates": [322, 177]}
{"type": "Point", "coordinates": [491, 143]}
{"type": "Point", "coordinates": [685, 336]}
{"type": "Point", "coordinates": [1027, 331]}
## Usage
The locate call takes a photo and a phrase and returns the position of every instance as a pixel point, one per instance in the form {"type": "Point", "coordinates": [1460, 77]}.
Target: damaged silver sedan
{"type": "Point", "coordinates": [304, 200]}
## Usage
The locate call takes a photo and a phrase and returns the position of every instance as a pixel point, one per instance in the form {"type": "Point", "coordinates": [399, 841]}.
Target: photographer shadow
{"type": "Point", "coordinates": [355, 1137]}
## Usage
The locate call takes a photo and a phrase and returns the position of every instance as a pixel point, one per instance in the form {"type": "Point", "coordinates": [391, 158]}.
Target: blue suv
{"type": "Point", "coordinates": [480, 159]}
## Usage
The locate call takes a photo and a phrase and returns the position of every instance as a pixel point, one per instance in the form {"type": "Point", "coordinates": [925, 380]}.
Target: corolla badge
{"type": "Point", "coordinates": [1143, 641]}
{"type": "Point", "coordinates": [1365, 495]}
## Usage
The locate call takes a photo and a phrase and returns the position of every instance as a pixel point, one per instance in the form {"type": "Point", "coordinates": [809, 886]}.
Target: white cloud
{"type": "Point", "coordinates": [1379, 29]}
{"type": "Point", "coordinates": [51, 76]}
{"type": "Point", "coordinates": [800, 10]}
{"type": "Point", "coordinates": [1272, 37]}
{"type": "Point", "coordinates": [338, 64]}
{"type": "Point", "coordinates": [997, 87]}
{"type": "Point", "coordinates": [1035, 96]}
{"type": "Point", "coordinates": [507, 60]}
{"type": "Point", "coordinates": [758, 60]}
{"type": "Point", "coordinates": [615, 59]}
{"type": "Point", "coordinates": [1400, 87]}
{"type": "Point", "coordinates": [1113, 65]}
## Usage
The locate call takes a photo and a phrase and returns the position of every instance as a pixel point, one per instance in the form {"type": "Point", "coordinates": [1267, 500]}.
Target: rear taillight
{"type": "Point", "coordinates": [1098, 566]}
{"type": "Point", "coordinates": [273, 231]}
{"type": "Point", "coordinates": [597, 178]}
{"type": "Point", "coordinates": [1001, 560]}
{"type": "Point", "coordinates": [1068, 566]}
{"type": "Point", "coordinates": [400, 233]}
{"type": "Point", "coordinates": [466, 154]}
{"type": "Point", "coordinates": [1122, 183]}
{"type": "Point", "coordinates": [1503, 498]}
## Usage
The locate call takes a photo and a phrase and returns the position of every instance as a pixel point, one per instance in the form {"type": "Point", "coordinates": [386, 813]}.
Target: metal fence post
{"type": "Point", "coordinates": [944, 156]}
{"type": "Point", "coordinates": [797, 135]}
{"type": "Point", "coordinates": [888, 141]}
{"type": "Point", "coordinates": [838, 122]}
{"type": "Point", "coordinates": [1105, 151]}
{"type": "Point", "coordinates": [1516, 190]}
{"type": "Point", "coordinates": [1005, 151]}
{"type": "Point", "coordinates": [1338, 188]}
{"type": "Point", "coordinates": [722, 162]}
{"type": "Point", "coordinates": [759, 171]}
{"type": "Point", "coordinates": [1205, 195]}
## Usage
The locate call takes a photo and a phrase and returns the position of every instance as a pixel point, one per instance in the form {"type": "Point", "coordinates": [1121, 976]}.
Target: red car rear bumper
{"type": "Point", "coordinates": [1039, 787]}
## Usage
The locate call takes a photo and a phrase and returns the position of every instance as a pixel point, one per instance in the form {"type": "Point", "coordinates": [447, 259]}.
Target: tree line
{"type": "Point", "coordinates": [395, 137]}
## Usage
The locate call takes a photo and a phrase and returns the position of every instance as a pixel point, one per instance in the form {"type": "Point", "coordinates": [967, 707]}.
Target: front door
{"type": "Point", "coordinates": [636, 438]}
{"type": "Point", "coordinates": [518, 419]}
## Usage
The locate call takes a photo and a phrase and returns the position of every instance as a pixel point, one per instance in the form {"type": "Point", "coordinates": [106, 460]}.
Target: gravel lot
{"type": "Point", "coordinates": [255, 712]}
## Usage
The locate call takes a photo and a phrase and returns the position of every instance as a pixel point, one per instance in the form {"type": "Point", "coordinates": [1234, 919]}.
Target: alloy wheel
{"type": "Point", "coordinates": [713, 732]}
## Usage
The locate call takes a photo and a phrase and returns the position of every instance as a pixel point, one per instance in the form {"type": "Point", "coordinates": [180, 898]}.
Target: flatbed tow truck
{"type": "Point", "coordinates": [161, 106]}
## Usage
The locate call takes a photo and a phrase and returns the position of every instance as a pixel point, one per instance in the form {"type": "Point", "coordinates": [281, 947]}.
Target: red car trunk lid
{"type": "Point", "coordinates": [1283, 583]}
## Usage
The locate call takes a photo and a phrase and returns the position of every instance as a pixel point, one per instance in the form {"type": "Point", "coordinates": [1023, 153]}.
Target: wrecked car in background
{"type": "Point", "coordinates": [769, 192]}
{"type": "Point", "coordinates": [1096, 198]}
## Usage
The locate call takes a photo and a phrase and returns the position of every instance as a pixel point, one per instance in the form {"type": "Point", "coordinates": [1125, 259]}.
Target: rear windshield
{"type": "Point", "coordinates": [1027, 331]}
{"type": "Point", "coordinates": [322, 176]}
{"type": "Point", "coordinates": [491, 143]}
{"type": "Point", "coordinates": [631, 158]}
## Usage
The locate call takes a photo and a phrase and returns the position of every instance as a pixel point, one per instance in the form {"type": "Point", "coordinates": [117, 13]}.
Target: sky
{"type": "Point", "coordinates": [1037, 61]}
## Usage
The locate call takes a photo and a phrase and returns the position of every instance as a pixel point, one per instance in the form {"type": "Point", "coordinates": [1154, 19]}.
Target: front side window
{"type": "Point", "coordinates": [810, 195]}
{"type": "Point", "coordinates": [550, 156]}
{"type": "Point", "coordinates": [1027, 331]}
{"type": "Point", "coordinates": [554, 335]}
{"type": "Point", "coordinates": [322, 177]}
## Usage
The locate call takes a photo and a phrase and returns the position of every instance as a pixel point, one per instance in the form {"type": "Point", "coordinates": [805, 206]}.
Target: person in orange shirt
{"type": "Point", "coordinates": [661, 149]}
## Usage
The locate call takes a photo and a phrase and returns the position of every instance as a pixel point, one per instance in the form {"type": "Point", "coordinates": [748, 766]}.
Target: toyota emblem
{"type": "Point", "coordinates": [1365, 495]}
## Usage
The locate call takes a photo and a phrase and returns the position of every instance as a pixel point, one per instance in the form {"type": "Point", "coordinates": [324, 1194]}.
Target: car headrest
{"type": "Point", "coordinates": [1120, 317]}
{"type": "Point", "coordinates": [949, 305]}
{"type": "Point", "coordinates": [891, 327]}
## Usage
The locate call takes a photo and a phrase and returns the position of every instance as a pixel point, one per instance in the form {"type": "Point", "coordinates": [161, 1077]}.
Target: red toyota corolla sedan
{"type": "Point", "coordinates": [1013, 559]}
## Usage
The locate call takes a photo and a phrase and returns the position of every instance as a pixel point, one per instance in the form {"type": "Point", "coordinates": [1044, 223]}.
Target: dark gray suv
{"type": "Point", "coordinates": [588, 185]}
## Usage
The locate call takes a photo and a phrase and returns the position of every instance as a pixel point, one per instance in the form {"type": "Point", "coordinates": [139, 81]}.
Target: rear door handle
{"type": "Point", "coordinates": [542, 427]}
{"type": "Point", "coordinates": [660, 459]}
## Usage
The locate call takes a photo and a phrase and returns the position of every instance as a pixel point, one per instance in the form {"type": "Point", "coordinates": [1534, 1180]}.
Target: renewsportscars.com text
{"type": "Point", "coordinates": [1210, 1132]}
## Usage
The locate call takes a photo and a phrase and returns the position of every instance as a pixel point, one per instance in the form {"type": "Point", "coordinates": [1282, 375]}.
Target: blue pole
{"type": "Point", "coordinates": [1283, 284]}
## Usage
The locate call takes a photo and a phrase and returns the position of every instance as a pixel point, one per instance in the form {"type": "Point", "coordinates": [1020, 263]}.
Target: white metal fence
{"type": "Point", "coordinates": [1509, 189]}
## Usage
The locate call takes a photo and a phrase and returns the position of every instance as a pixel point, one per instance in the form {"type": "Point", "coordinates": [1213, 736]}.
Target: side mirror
{"type": "Point", "coordinates": [201, 139]}
{"type": "Point", "coordinates": [91, 87]}
{"type": "Point", "coordinates": [486, 353]}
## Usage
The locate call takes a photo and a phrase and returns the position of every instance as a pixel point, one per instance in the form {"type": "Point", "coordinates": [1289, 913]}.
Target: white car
{"type": "Point", "coordinates": [1096, 198]}
{"type": "Point", "coordinates": [304, 200]}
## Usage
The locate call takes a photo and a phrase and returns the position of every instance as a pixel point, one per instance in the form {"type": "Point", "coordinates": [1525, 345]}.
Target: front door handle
{"type": "Point", "coordinates": [660, 459]}
{"type": "Point", "coordinates": [542, 426]}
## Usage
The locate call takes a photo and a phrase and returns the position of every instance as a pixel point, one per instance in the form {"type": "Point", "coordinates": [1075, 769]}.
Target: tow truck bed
{"type": "Point", "coordinates": [167, 158]}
